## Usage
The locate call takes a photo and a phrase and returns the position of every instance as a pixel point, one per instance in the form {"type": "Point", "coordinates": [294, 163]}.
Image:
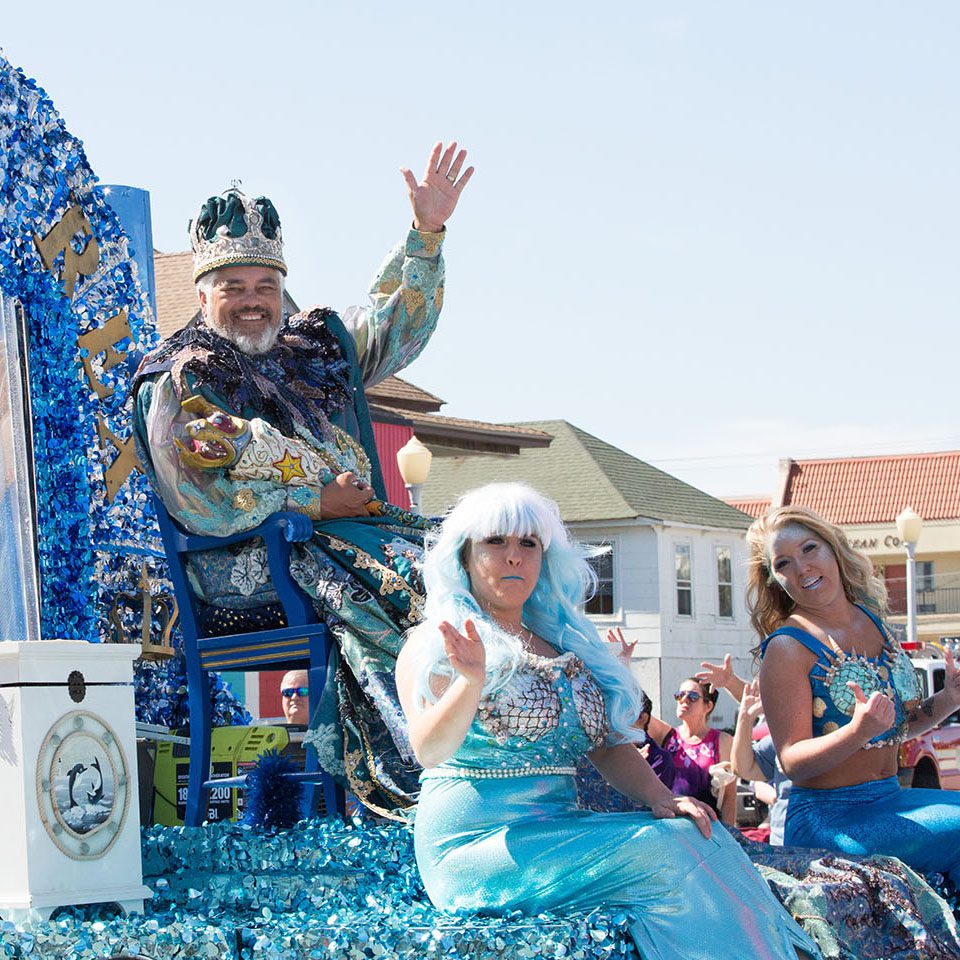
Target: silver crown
{"type": "Point", "coordinates": [234, 230]}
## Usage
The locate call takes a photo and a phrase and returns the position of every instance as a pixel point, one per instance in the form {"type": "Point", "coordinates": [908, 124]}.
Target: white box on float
{"type": "Point", "coordinates": [70, 833]}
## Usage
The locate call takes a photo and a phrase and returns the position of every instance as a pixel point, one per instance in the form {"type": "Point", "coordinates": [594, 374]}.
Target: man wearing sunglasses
{"type": "Point", "coordinates": [295, 696]}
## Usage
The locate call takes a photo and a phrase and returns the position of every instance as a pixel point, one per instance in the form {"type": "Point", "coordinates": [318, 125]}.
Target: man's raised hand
{"type": "Point", "coordinates": [625, 654]}
{"type": "Point", "coordinates": [952, 680]}
{"type": "Point", "coordinates": [435, 198]}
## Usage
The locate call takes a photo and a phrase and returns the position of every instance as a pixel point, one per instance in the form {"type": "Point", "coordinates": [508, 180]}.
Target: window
{"type": "Point", "coordinates": [601, 603]}
{"type": "Point", "coordinates": [682, 555]}
{"type": "Point", "coordinates": [926, 587]}
{"type": "Point", "coordinates": [724, 582]}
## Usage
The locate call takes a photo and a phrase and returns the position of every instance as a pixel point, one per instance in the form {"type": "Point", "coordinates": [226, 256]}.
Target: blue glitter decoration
{"type": "Point", "coordinates": [160, 693]}
{"type": "Point", "coordinates": [90, 546]}
{"type": "Point", "coordinates": [273, 800]}
{"type": "Point", "coordinates": [43, 175]}
{"type": "Point", "coordinates": [325, 889]}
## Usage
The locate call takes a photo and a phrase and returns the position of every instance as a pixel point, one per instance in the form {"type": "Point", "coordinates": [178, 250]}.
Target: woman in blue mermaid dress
{"type": "Point", "coordinates": [499, 718]}
{"type": "Point", "coordinates": [840, 696]}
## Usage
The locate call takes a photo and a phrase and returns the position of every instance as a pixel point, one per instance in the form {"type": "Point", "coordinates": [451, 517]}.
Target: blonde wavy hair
{"type": "Point", "coordinates": [768, 602]}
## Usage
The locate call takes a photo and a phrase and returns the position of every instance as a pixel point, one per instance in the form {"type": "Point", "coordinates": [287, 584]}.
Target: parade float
{"type": "Point", "coordinates": [88, 660]}
{"type": "Point", "coordinates": [86, 639]}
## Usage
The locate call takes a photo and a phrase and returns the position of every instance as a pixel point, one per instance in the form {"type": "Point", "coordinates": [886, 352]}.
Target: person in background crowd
{"type": "Point", "coordinates": [757, 762]}
{"type": "Point", "coordinates": [685, 781]}
{"type": "Point", "coordinates": [693, 743]}
{"type": "Point", "coordinates": [295, 697]}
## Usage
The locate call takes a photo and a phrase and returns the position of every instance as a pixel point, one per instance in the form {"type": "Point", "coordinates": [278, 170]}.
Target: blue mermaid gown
{"type": "Point", "coordinates": [498, 829]}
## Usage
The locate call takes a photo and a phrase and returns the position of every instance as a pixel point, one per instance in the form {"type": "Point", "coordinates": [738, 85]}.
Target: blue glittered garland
{"type": "Point", "coordinates": [89, 547]}
{"type": "Point", "coordinates": [323, 890]}
{"type": "Point", "coordinates": [273, 800]}
{"type": "Point", "coordinates": [43, 172]}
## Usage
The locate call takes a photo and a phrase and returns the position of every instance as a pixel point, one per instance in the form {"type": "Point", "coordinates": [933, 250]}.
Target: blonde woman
{"type": "Point", "coordinates": [840, 695]}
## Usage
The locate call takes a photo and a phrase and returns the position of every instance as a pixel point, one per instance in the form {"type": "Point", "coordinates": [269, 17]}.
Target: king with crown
{"type": "Point", "coordinates": [246, 412]}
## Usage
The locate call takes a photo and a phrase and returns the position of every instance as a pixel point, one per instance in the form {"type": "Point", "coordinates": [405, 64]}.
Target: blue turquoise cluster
{"type": "Point", "coordinates": [90, 547]}
{"type": "Point", "coordinates": [272, 799]}
{"type": "Point", "coordinates": [160, 693]}
{"type": "Point", "coordinates": [325, 889]}
{"type": "Point", "coordinates": [44, 172]}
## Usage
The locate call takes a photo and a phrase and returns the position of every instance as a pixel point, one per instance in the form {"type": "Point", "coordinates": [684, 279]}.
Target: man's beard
{"type": "Point", "coordinates": [251, 344]}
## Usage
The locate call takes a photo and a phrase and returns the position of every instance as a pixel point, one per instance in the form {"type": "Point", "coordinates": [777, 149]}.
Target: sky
{"type": "Point", "coordinates": [712, 234]}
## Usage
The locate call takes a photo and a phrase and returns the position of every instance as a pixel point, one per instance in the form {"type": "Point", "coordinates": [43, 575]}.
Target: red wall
{"type": "Point", "coordinates": [390, 438]}
{"type": "Point", "coordinates": [270, 702]}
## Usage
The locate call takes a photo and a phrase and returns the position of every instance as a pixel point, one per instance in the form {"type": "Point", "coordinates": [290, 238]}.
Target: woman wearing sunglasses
{"type": "Point", "coordinates": [695, 744]}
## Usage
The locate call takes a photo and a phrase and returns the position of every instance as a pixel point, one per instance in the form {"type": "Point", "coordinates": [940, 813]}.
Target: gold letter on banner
{"type": "Point", "coordinates": [125, 461]}
{"type": "Point", "coordinates": [57, 241]}
{"type": "Point", "coordinates": [102, 340]}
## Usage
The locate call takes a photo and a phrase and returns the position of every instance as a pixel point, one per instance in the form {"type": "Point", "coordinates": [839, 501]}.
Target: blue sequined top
{"type": "Point", "coordinates": [549, 715]}
{"type": "Point", "coordinates": [891, 673]}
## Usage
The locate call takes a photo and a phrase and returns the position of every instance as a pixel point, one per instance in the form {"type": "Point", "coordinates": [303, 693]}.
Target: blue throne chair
{"type": "Point", "coordinates": [285, 635]}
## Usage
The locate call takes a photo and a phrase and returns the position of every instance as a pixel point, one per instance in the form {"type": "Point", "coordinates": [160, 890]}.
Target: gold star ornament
{"type": "Point", "coordinates": [289, 467]}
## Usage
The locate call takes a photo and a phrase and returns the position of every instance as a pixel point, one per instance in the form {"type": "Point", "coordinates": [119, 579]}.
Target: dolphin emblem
{"type": "Point", "coordinates": [72, 775]}
{"type": "Point", "coordinates": [97, 795]}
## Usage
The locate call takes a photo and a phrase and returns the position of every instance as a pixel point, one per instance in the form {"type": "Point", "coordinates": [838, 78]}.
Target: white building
{"type": "Point", "coordinates": [674, 579]}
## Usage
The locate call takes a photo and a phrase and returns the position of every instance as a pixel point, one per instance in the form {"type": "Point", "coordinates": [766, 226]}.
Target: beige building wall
{"type": "Point", "coordinates": [939, 544]}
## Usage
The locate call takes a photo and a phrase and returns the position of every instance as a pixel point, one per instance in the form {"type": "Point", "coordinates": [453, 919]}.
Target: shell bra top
{"type": "Point", "coordinates": [891, 673]}
{"type": "Point", "coordinates": [549, 715]}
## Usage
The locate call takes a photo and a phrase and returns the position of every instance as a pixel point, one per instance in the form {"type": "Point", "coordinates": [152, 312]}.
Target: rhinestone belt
{"type": "Point", "coordinates": [498, 772]}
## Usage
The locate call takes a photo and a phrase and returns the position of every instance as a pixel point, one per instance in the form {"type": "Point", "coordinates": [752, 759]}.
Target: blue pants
{"type": "Point", "coordinates": [919, 827]}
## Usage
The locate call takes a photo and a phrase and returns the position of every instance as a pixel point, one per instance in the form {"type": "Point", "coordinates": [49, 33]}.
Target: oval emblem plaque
{"type": "Point", "coordinates": [83, 790]}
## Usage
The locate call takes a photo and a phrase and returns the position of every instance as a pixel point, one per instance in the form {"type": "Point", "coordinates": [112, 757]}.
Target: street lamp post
{"type": "Point", "coordinates": [909, 525]}
{"type": "Point", "coordinates": [414, 459]}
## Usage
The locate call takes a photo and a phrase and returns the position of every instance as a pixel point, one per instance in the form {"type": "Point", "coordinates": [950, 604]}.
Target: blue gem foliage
{"type": "Point", "coordinates": [43, 174]}
{"type": "Point", "coordinates": [90, 546]}
{"type": "Point", "coordinates": [273, 800]}
{"type": "Point", "coordinates": [325, 889]}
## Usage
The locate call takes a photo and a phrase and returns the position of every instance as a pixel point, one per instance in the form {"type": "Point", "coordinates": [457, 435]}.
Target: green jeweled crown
{"type": "Point", "coordinates": [234, 230]}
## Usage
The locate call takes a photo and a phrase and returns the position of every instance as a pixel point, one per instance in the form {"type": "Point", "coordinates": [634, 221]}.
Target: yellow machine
{"type": "Point", "coordinates": [233, 750]}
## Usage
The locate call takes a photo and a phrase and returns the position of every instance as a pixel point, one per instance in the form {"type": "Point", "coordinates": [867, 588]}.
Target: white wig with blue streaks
{"type": "Point", "coordinates": [553, 611]}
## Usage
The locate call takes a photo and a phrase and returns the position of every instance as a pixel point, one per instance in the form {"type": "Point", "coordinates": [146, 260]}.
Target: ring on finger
{"type": "Point", "coordinates": [452, 178]}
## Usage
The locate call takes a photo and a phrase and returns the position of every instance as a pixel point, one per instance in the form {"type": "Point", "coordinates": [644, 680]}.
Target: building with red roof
{"type": "Point", "coordinates": [864, 495]}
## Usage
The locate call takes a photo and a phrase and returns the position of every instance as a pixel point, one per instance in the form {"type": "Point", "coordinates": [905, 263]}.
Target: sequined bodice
{"type": "Point", "coordinates": [550, 714]}
{"type": "Point", "coordinates": [891, 673]}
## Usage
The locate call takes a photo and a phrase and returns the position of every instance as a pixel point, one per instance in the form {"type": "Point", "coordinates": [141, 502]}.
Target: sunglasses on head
{"type": "Point", "coordinates": [290, 691]}
{"type": "Point", "coordinates": [690, 695]}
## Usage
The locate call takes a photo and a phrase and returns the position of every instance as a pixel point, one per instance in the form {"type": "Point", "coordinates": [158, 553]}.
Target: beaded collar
{"type": "Point", "coordinates": [302, 381]}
